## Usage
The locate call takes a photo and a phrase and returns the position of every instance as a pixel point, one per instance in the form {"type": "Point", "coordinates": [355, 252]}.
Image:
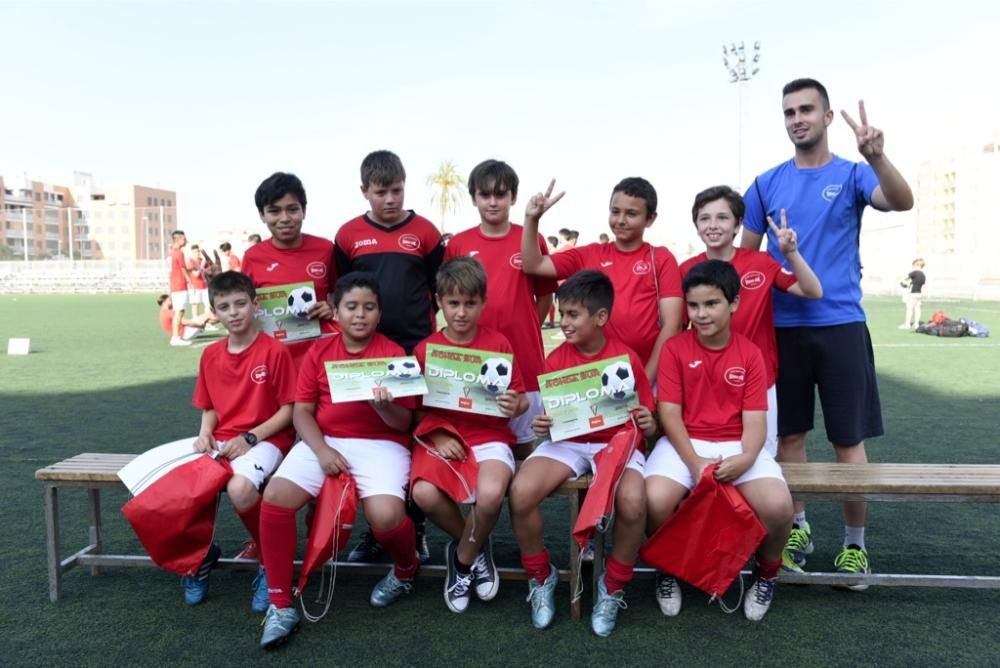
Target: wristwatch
{"type": "Point", "coordinates": [249, 437]}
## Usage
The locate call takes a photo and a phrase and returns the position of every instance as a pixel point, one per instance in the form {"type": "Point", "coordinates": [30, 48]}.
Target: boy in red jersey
{"type": "Point", "coordinates": [404, 250]}
{"type": "Point", "coordinates": [190, 327]}
{"type": "Point", "coordinates": [232, 259]}
{"type": "Point", "coordinates": [198, 295]}
{"type": "Point", "coordinates": [717, 214]}
{"type": "Point", "coordinates": [517, 303]}
{"type": "Point", "coordinates": [245, 389]}
{"type": "Point", "coordinates": [648, 305]}
{"type": "Point", "coordinates": [586, 300]}
{"type": "Point", "coordinates": [180, 283]}
{"type": "Point", "coordinates": [461, 295]}
{"type": "Point", "coordinates": [290, 256]}
{"type": "Point", "coordinates": [712, 403]}
{"type": "Point", "coordinates": [368, 439]}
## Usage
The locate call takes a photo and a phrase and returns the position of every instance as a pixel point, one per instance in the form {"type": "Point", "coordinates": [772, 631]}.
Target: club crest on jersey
{"type": "Point", "coordinates": [259, 374]}
{"type": "Point", "coordinates": [736, 376]}
{"type": "Point", "coordinates": [516, 262]}
{"type": "Point", "coordinates": [641, 267]}
{"type": "Point", "coordinates": [316, 269]}
{"type": "Point", "coordinates": [752, 280]}
{"type": "Point", "coordinates": [410, 242]}
{"type": "Point", "coordinates": [831, 191]}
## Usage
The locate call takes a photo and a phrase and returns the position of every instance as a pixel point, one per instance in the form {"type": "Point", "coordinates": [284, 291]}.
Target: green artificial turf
{"type": "Point", "coordinates": [101, 378]}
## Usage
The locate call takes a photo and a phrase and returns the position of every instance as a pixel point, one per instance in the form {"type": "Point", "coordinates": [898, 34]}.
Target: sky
{"type": "Point", "coordinates": [209, 98]}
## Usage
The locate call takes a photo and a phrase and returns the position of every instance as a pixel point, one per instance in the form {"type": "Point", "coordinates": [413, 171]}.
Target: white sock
{"type": "Point", "coordinates": [854, 536]}
{"type": "Point", "coordinates": [799, 520]}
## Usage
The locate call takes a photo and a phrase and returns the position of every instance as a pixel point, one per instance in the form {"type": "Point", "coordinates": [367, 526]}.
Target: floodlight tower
{"type": "Point", "coordinates": [740, 72]}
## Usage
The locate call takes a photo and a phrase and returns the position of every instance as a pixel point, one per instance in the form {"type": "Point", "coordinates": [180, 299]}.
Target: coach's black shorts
{"type": "Point", "coordinates": [840, 362]}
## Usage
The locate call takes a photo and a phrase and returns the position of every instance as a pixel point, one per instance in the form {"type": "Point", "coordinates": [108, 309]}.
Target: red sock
{"type": "Point", "coordinates": [279, 536]}
{"type": "Point", "coordinates": [401, 544]}
{"type": "Point", "coordinates": [538, 566]}
{"type": "Point", "coordinates": [617, 575]}
{"type": "Point", "coordinates": [767, 569]}
{"type": "Point", "coordinates": [251, 520]}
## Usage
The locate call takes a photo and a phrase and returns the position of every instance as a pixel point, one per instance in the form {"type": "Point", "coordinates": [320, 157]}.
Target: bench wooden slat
{"type": "Point", "coordinates": [929, 479]}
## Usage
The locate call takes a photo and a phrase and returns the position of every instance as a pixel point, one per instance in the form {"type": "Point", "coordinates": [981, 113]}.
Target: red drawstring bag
{"type": "Point", "coordinates": [610, 462]}
{"type": "Point", "coordinates": [709, 539]}
{"type": "Point", "coordinates": [174, 517]}
{"type": "Point", "coordinates": [454, 477]}
{"type": "Point", "coordinates": [332, 522]}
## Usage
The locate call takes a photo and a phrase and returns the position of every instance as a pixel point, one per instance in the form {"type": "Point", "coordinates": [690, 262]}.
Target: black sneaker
{"type": "Point", "coordinates": [423, 552]}
{"type": "Point", "coordinates": [368, 550]}
{"type": "Point", "coordinates": [484, 574]}
{"type": "Point", "coordinates": [457, 586]}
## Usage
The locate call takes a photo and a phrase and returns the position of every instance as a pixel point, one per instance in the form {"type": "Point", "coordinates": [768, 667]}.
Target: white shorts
{"type": "Point", "coordinates": [179, 300]}
{"type": "Point", "coordinates": [580, 456]}
{"type": "Point", "coordinates": [256, 465]}
{"type": "Point", "coordinates": [664, 461]}
{"type": "Point", "coordinates": [771, 439]}
{"type": "Point", "coordinates": [378, 467]}
{"type": "Point", "coordinates": [521, 425]}
{"type": "Point", "coordinates": [495, 451]}
{"type": "Point", "coordinates": [198, 295]}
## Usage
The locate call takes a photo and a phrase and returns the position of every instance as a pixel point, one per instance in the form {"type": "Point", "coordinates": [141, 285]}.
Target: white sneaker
{"type": "Point", "coordinates": [178, 341]}
{"type": "Point", "coordinates": [758, 599]}
{"type": "Point", "coordinates": [903, 326]}
{"type": "Point", "coordinates": [668, 595]}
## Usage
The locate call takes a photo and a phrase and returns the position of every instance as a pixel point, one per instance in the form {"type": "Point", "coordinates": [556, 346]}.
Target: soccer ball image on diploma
{"type": "Point", "coordinates": [299, 301]}
{"type": "Point", "coordinates": [403, 369]}
{"type": "Point", "coordinates": [617, 381]}
{"type": "Point", "coordinates": [494, 375]}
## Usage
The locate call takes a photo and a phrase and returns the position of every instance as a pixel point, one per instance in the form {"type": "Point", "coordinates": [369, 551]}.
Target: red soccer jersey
{"type": "Point", "coordinates": [510, 304]}
{"type": "Point", "coordinates": [754, 318]}
{"type": "Point", "coordinates": [167, 320]}
{"type": "Point", "coordinates": [268, 266]}
{"type": "Point", "coordinates": [567, 356]}
{"type": "Point", "coordinates": [352, 419]}
{"type": "Point", "coordinates": [246, 388]}
{"type": "Point", "coordinates": [197, 279]}
{"type": "Point", "coordinates": [177, 281]}
{"type": "Point", "coordinates": [477, 429]}
{"type": "Point", "coordinates": [234, 262]}
{"type": "Point", "coordinates": [635, 315]}
{"type": "Point", "coordinates": [712, 387]}
{"type": "Point", "coordinates": [405, 258]}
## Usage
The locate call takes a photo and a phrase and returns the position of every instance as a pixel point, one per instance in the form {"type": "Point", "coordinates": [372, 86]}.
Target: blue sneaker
{"type": "Point", "coordinates": [279, 625]}
{"type": "Point", "coordinates": [606, 607]}
{"type": "Point", "coordinates": [389, 589]}
{"type": "Point", "coordinates": [261, 599]}
{"type": "Point", "coordinates": [542, 598]}
{"type": "Point", "coordinates": [196, 586]}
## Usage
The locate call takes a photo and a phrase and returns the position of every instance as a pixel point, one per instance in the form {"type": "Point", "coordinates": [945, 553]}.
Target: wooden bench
{"type": "Point", "coordinates": [97, 471]}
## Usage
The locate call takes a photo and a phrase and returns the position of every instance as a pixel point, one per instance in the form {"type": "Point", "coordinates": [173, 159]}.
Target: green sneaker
{"type": "Point", "coordinates": [852, 559]}
{"type": "Point", "coordinates": [799, 545]}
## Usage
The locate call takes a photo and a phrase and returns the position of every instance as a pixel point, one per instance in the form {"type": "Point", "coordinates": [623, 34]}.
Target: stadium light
{"type": "Point", "coordinates": [734, 58]}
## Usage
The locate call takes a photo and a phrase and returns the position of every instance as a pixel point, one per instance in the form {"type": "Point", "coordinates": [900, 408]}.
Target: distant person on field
{"type": "Point", "coordinates": [233, 260]}
{"type": "Point", "coordinates": [825, 342]}
{"type": "Point", "coordinates": [604, 238]}
{"type": "Point", "coordinates": [253, 240]}
{"type": "Point", "coordinates": [198, 295]}
{"type": "Point", "coordinates": [180, 284]}
{"type": "Point", "coordinates": [190, 327]}
{"type": "Point", "coordinates": [914, 284]}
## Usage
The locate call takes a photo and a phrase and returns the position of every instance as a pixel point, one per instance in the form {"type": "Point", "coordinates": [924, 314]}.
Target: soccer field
{"type": "Point", "coordinates": [102, 378]}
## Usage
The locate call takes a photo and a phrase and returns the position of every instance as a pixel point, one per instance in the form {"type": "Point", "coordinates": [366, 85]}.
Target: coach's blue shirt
{"type": "Point", "coordinates": [824, 207]}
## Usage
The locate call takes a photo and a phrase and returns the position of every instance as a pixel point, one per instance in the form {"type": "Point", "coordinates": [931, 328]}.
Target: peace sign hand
{"type": "Point", "coordinates": [870, 139]}
{"type": "Point", "coordinates": [542, 202]}
{"type": "Point", "coordinates": [788, 241]}
{"type": "Point", "coordinates": [211, 269]}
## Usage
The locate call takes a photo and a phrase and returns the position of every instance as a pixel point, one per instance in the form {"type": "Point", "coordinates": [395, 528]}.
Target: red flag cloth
{"type": "Point", "coordinates": [174, 517]}
{"type": "Point", "coordinates": [710, 537]}
{"type": "Point", "coordinates": [610, 462]}
{"type": "Point", "coordinates": [336, 509]}
{"type": "Point", "coordinates": [454, 477]}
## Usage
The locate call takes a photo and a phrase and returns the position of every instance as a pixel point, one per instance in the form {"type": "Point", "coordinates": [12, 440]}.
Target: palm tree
{"type": "Point", "coordinates": [448, 185]}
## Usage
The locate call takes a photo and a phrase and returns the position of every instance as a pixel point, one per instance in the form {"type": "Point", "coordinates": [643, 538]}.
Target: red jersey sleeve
{"type": "Point", "coordinates": [568, 262]}
{"type": "Point", "coordinates": [307, 388]}
{"type": "Point", "coordinates": [668, 274]}
{"type": "Point", "coordinates": [642, 386]}
{"type": "Point", "coordinates": [755, 392]}
{"type": "Point", "coordinates": [783, 279]}
{"type": "Point", "coordinates": [669, 387]}
{"type": "Point", "coordinates": [284, 376]}
{"type": "Point", "coordinates": [202, 399]}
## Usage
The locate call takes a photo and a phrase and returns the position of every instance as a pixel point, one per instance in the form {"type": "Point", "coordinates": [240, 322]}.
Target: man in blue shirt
{"type": "Point", "coordinates": [825, 343]}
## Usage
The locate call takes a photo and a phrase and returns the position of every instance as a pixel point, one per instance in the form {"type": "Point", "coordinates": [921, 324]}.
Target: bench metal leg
{"type": "Point", "coordinates": [52, 540]}
{"type": "Point", "coordinates": [575, 579]}
{"type": "Point", "coordinates": [96, 543]}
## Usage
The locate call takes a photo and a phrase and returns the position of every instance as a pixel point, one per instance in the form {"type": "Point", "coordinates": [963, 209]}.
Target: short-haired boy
{"type": "Point", "coordinates": [404, 250]}
{"type": "Point", "coordinates": [461, 296]}
{"type": "Point", "coordinates": [232, 259]}
{"type": "Point", "coordinates": [245, 389]}
{"type": "Point", "coordinates": [368, 439]}
{"type": "Point", "coordinates": [180, 282]}
{"type": "Point", "coordinates": [586, 301]}
{"type": "Point", "coordinates": [718, 214]}
{"type": "Point", "coordinates": [647, 283]}
{"type": "Point", "coordinates": [712, 403]}
{"type": "Point", "coordinates": [290, 256]}
{"type": "Point", "coordinates": [198, 294]}
{"type": "Point", "coordinates": [517, 303]}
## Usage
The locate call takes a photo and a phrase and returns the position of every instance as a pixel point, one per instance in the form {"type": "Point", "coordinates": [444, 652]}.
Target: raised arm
{"type": "Point", "coordinates": [893, 192]}
{"type": "Point", "coordinates": [532, 259]}
{"type": "Point", "coordinates": [808, 284]}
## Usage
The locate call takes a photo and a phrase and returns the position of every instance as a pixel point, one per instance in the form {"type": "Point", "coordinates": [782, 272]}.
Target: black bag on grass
{"type": "Point", "coordinates": [949, 328]}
